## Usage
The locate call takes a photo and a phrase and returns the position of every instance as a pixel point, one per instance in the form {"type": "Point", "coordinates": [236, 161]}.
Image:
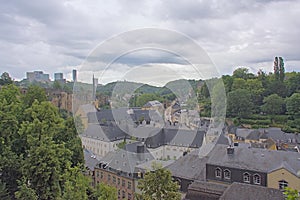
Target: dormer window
{"type": "Point", "coordinates": [218, 172]}
{"type": "Point", "coordinates": [246, 177]}
{"type": "Point", "coordinates": [256, 179]}
{"type": "Point", "coordinates": [227, 174]}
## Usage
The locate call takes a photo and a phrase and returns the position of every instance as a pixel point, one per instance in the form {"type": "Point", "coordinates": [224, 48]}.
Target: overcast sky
{"type": "Point", "coordinates": [58, 35]}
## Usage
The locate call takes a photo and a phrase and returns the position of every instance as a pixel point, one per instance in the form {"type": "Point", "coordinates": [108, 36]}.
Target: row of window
{"type": "Point", "coordinates": [123, 196]}
{"type": "Point", "coordinates": [246, 176]}
{"type": "Point", "coordinates": [115, 180]}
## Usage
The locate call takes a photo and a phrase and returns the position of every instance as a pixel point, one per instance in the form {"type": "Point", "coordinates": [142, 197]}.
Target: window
{"type": "Point", "coordinates": [256, 179]}
{"type": "Point", "coordinates": [108, 177]}
{"type": "Point", "coordinates": [283, 184]}
{"type": "Point", "coordinates": [129, 185]}
{"type": "Point", "coordinates": [129, 196]}
{"type": "Point", "coordinates": [218, 173]}
{"type": "Point", "coordinates": [227, 174]}
{"type": "Point", "coordinates": [123, 194]}
{"type": "Point", "coordinates": [114, 179]}
{"type": "Point", "coordinates": [101, 174]}
{"type": "Point", "coordinates": [118, 181]}
{"type": "Point", "coordinates": [246, 177]}
{"type": "Point", "coordinates": [97, 174]}
{"type": "Point", "coordinates": [123, 183]}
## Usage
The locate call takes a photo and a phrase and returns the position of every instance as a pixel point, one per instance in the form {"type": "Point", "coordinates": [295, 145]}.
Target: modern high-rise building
{"type": "Point", "coordinates": [58, 76]}
{"type": "Point", "coordinates": [37, 76]}
{"type": "Point", "coordinates": [74, 73]}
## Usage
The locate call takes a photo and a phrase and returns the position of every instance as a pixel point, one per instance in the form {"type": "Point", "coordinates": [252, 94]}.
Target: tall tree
{"type": "Point", "coordinates": [4, 195]}
{"type": "Point", "coordinates": [239, 103]}
{"type": "Point", "coordinates": [25, 192]}
{"type": "Point", "coordinates": [273, 105]}
{"type": "Point", "coordinates": [34, 93]}
{"type": "Point", "coordinates": [5, 79]}
{"type": "Point", "coordinates": [238, 83]}
{"type": "Point", "coordinates": [292, 105]}
{"type": "Point", "coordinates": [158, 185]}
{"type": "Point", "coordinates": [76, 185]}
{"type": "Point", "coordinates": [104, 192]}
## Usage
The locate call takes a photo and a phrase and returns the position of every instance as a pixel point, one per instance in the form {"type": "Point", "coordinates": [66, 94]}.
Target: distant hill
{"type": "Point", "coordinates": [145, 88]}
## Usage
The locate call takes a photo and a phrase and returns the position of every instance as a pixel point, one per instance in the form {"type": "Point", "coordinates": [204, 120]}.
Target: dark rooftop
{"type": "Point", "coordinates": [238, 191]}
{"type": "Point", "coordinates": [255, 159]}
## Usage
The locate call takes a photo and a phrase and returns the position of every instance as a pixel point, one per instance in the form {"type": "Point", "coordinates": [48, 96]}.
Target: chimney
{"type": "Point", "coordinates": [140, 149]}
{"type": "Point", "coordinates": [230, 150]}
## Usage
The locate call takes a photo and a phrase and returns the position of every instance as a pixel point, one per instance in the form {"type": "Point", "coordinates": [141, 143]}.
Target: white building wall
{"type": "Point", "coordinates": [99, 147]}
{"type": "Point", "coordinates": [169, 152]}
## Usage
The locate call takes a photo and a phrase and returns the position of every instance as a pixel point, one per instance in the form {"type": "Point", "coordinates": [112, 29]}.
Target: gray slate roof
{"type": "Point", "coordinates": [122, 114]}
{"type": "Point", "coordinates": [104, 133]}
{"type": "Point", "coordinates": [205, 190]}
{"type": "Point", "coordinates": [238, 191]}
{"type": "Point", "coordinates": [182, 137]}
{"type": "Point", "coordinates": [255, 159]}
{"type": "Point", "coordinates": [126, 159]}
{"type": "Point", "coordinates": [189, 167]}
{"type": "Point", "coordinates": [90, 159]}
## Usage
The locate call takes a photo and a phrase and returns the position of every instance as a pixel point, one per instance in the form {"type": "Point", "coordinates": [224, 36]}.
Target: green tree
{"type": "Point", "coordinates": [25, 192]}
{"type": "Point", "coordinates": [76, 186]}
{"type": "Point", "coordinates": [291, 194]}
{"type": "Point", "coordinates": [204, 92]}
{"type": "Point", "coordinates": [228, 81]}
{"type": "Point", "coordinates": [56, 85]}
{"type": "Point", "coordinates": [34, 93]}
{"type": "Point", "coordinates": [44, 166]}
{"type": "Point", "coordinates": [292, 83]}
{"type": "Point", "coordinates": [70, 138]}
{"type": "Point", "coordinates": [239, 103]}
{"type": "Point", "coordinates": [4, 195]}
{"type": "Point", "coordinates": [273, 104]}
{"type": "Point", "coordinates": [292, 104]}
{"type": "Point", "coordinates": [5, 79]}
{"type": "Point", "coordinates": [158, 185]}
{"type": "Point", "coordinates": [104, 192]}
{"type": "Point", "coordinates": [242, 73]}
{"type": "Point", "coordinates": [144, 98]}
{"type": "Point", "coordinates": [238, 83]}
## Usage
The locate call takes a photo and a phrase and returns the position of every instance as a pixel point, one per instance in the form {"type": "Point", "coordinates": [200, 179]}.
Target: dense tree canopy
{"type": "Point", "coordinates": [41, 155]}
{"type": "Point", "coordinates": [272, 99]}
{"type": "Point", "coordinates": [158, 185]}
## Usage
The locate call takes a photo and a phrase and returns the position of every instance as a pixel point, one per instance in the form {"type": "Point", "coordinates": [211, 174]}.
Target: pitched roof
{"type": "Point", "coordinates": [90, 159]}
{"type": "Point", "coordinates": [237, 191]}
{"type": "Point", "coordinates": [122, 114]}
{"type": "Point", "coordinates": [255, 159]}
{"type": "Point", "coordinates": [104, 133]}
{"type": "Point", "coordinates": [152, 103]}
{"type": "Point", "coordinates": [205, 190]}
{"type": "Point", "coordinates": [189, 167]}
{"type": "Point", "coordinates": [127, 159]}
{"type": "Point", "coordinates": [171, 136]}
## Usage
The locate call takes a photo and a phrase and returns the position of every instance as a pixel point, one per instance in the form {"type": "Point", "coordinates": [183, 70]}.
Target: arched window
{"type": "Point", "coordinates": [246, 177]}
{"type": "Point", "coordinates": [227, 174]}
{"type": "Point", "coordinates": [256, 179]}
{"type": "Point", "coordinates": [218, 172]}
{"type": "Point", "coordinates": [283, 184]}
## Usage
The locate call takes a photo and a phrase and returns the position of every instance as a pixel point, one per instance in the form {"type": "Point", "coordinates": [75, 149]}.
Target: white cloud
{"type": "Point", "coordinates": [53, 34]}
